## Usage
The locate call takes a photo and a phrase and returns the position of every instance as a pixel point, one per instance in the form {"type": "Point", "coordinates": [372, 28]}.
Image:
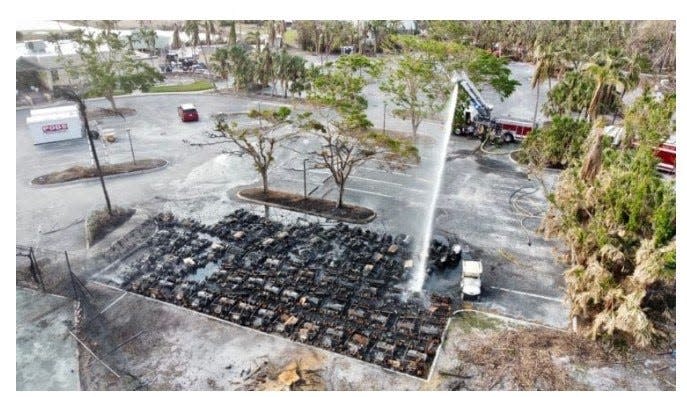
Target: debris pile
{"type": "Point", "coordinates": [339, 288]}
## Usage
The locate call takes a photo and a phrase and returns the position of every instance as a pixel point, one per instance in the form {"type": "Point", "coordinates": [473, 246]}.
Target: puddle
{"type": "Point", "coordinates": [204, 272]}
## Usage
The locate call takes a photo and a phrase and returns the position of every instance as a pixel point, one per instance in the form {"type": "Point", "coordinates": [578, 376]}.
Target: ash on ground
{"type": "Point", "coordinates": [338, 288]}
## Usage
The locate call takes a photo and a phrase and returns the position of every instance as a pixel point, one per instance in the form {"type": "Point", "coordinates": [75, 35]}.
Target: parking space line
{"type": "Point", "coordinates": [368, 192]}
{"type": "Point", "coordinates": [361, 178]}
{"type": "Point", "coordinates": [528, 294]}
{"type": "Point", "coordinates": [113, 303]}
{"type": "Point", "coordinates": [393, 162]}
{"type": "Point", "coordinates": [385, 171]}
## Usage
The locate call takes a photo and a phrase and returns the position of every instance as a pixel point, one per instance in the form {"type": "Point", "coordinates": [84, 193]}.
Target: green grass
{"type": "Point", "coordinates": [200, 85]}
{"type": "Point", "coordinates": [470, 322]}
{"type": "Point", "coordinates": [291, 37]}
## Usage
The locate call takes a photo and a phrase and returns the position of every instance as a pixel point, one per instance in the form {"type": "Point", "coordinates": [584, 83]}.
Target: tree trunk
{"type": "Point", "coordinates": [415, 124]}
{"type": "Point", "coordinates": [265, 187]}
{"type": "Point", "coordinates": [536, 106]}
{"type": "Point", "coordinates": [615, 114]}
{"type": "Point", "coordinates": [151, 50]}
{"type": "Point", "coordinates": [110, 98]}
{"type": "Point", "coordinates": [339, 203]}
{"type": "Point", "coordinates": [205, 58]}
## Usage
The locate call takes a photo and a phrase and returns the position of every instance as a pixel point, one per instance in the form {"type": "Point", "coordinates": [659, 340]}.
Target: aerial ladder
{"type": "Point", "coordinates": [482, 108]}
{"type": "Point", "coordinates": [478, 119]}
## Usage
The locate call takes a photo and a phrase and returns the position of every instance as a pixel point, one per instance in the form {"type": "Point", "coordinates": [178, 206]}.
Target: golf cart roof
{"type": "Point", "coordinates": [187, 106]}
{"type": "Point", "coordinates": [472, 268]}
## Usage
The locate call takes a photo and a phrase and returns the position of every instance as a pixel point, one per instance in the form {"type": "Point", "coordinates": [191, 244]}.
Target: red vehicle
{"type": "Point", "coordinates": [506, 129]}
{"type": "Point", "coordinates": [188, 112]}
{"type": "Point", "coordinates": [667, 153]}
{"type": "Point", "coordinates": [513, 129]}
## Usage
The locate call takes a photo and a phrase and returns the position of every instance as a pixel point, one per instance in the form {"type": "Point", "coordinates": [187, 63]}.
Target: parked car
{"type": "Point", "coordinates": [188, 112]}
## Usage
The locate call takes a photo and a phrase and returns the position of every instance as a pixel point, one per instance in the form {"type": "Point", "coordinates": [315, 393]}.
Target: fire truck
{"type": "Point", "coordinates": [477, 118]}
{"type": "Point", "coordinates": [666, 152]}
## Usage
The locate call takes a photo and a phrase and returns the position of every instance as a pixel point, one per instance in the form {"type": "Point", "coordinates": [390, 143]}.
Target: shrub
{"type": "Point", "coordinates": [557, 144]}
{"type": "Point", "coordinates": [100, 222]}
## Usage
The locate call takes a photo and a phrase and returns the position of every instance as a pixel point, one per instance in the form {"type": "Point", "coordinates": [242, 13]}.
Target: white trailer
{"type": "Point", "coordinates": [55, 124]}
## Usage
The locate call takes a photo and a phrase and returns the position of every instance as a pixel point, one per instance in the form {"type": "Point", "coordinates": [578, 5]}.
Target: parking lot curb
{"type": "Point", "coordinates": [95, 178]}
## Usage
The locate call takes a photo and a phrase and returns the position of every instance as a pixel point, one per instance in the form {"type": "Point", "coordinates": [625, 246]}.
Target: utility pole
{"type": "Point", "coordinates": [131, 145]}
{"type": "Point", "coordinates": [74, 97]}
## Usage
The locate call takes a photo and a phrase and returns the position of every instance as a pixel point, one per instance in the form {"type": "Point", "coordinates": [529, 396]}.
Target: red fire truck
{"type": "Point", "coordinates": [667, 153]}
{"type": "Point", "coordinates": [478, 119]}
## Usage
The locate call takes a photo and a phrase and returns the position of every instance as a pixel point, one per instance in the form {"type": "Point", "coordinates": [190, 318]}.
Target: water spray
{"type": "Point", "coordinates": [418, 278]}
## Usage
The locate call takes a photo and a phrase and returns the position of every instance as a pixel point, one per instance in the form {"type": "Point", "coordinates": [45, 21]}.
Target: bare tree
{"type": "Point", "coordinates": [259, 142]}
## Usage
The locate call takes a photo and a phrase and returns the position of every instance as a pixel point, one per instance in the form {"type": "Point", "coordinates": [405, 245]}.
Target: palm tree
{"type": "Point", "coordinates": [255, 36]}
{"type": "Point", "coordinates": [192, 29]}
{"type": "Point", "coordinates": [108, 25]}
{"type": "Point", "coordinates": [210, 29]}
{"type": "Point", "coordinates": [272, 38]}
{"type": "Point", "coordinates": [281, 70]}
{"type": "Point", "coordinates": [379, 29]}
{"type": "Point", "coordinates": [231, 39]}
{"type": "Point", "coordinates": [604, 69]}
{"type": "Point", "coordinates": [544, 70]}
{"type": "Point", "coordinates": [264, 67]}
{"type": "Point", "coordinates": [149, 37]}
{"type": "Point", "coordinates": [219, 62]}
{"type": "Point", "coordinates": [176, 41]}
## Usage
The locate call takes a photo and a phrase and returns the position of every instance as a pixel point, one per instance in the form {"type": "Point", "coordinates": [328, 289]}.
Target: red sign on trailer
{"type": "Point", "coordinates": [55, 128]}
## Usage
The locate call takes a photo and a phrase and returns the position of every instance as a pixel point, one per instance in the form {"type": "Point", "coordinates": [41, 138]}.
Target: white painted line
{"type": "Point", "coordinates": [529, 294]}
{"type": "Point", "coordinates": [394, 162]}
{"type": "Point", "coordinates": [375, 180]}
{"type": "Point", "coordinates": [385, 171]}
{"type": "Point", "coordinates": [268, 103]}
{"type": "Point", "coordinates": [113, 303]}
{"type": "Point", "coordinates": [289, 180]}
{"type": "Point", "coordinates": [367, 192]}
{"type": "Point", "coordinates": [93, 354]}
{"type": "Point", "coordinates": [361, 178]}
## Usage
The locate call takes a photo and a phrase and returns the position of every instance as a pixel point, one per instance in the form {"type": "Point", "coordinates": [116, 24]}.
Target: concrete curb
{"type": "Point", "coordinates": [95, 178]}
{"type": "Point", "coordinates": [313, 213]}
{"type": "Point", "coordinates": [510, 319]}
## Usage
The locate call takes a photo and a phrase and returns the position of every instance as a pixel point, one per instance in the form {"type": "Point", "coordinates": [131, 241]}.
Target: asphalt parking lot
{"type": "Point", "coordinates": [200, 181]}
{"type": "Point", "coordinates": [475, 207]}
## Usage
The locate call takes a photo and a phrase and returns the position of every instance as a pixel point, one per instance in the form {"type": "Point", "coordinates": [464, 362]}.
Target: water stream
{"type": "Point", "coordinates": [418, 279]}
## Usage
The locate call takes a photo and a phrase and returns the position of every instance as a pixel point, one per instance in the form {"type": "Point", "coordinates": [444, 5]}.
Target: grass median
{"type": "Point", "coordinates": [79, 172]}
{"type": "Point", "coordinates": [200, 85]}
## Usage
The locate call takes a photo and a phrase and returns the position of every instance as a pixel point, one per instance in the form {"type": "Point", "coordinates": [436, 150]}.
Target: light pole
{"type": "Point", "coordinates": [384, 119]}
{"type": "Point", "coordinates": [305, 186]}
{"type": "Point", "coordinates": [70, 95]}
{"type": "Point", "coordinates": [131, 145]}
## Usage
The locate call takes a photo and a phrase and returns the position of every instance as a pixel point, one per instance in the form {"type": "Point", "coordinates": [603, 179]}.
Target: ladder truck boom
{"type": "Point", "coordinates": [483, 108]}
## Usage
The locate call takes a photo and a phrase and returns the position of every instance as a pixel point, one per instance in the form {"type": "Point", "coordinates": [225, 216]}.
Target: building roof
{"type": "Point", "coordinates": [47, 57]}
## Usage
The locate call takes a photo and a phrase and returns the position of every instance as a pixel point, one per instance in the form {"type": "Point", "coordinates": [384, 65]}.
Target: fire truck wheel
{"type": "Point", "coordinates": [508, 138]}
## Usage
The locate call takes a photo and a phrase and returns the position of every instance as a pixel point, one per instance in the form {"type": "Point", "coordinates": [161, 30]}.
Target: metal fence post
{"type": "Point", "coordinates": [71, 276]}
